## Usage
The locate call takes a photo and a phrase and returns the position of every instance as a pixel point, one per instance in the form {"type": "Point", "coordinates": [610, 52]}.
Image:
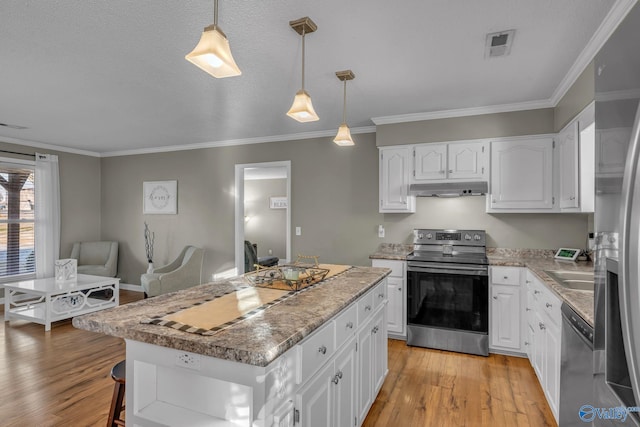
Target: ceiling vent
{"type": "Point", "coordinates": [13, 126]}
{"type": "Point", "coordinates": [499, 44]}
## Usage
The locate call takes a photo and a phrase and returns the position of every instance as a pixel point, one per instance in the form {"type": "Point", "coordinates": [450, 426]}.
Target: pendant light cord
{"type": "Point", "coordinates": [344, 106]}
{"type": "Point", "coordinates": [215, 13]}
{"type": "Point", "coordinates": [303, 34]}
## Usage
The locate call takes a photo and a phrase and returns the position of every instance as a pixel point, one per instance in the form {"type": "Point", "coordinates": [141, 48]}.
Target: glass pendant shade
{"type": "Point", "coordinates": [212, 54]}
{"type": "Point", "coordinates": [302, 109]}
{"type": "Point", "coordinates": [343, 138]}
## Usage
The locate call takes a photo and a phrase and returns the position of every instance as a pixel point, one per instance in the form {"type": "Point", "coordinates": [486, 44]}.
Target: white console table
{"type": "Point", "coordinates": [44, 300]}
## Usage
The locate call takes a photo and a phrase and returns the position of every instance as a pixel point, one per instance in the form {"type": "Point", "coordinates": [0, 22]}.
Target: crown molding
{"type": "Point", "coordinates": [617, 95]}
{"type": "Point", "coordinates": [462, 112]}
{"type": "Point", "coordinates": [618, 11]}
{"type": "Point", "coordinates": [46, 146]}
{"type": "Point", "coordinates": [234, 142]}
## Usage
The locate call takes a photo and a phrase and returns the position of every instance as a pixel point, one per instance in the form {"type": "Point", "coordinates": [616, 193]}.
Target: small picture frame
{"type": "Point", "coordinates": [160, 197]}
{"type": "Point", "coordinates": [567, 254]}
{"type": "Point", "coordinates": [279, 202]}
{"type": "Point", "coordinates": [66, 269]}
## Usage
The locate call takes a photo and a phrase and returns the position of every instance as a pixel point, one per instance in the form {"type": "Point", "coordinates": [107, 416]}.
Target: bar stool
{"type": "Point", "coordinates": [119, 375]}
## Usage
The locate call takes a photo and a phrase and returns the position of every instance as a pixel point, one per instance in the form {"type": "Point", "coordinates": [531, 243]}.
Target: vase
{"type": "Point", "coordinates": [150, 268]}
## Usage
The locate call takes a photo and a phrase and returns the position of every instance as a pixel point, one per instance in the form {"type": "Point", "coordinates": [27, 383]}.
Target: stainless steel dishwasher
{"type": "Point", "coordinates": [576, 367]}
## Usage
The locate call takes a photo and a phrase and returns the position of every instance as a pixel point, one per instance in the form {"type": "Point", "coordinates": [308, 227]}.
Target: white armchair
{"type": "Point", "coordinates": [97, 258]}
{"type": "Point", "coordinates": [184, 272]}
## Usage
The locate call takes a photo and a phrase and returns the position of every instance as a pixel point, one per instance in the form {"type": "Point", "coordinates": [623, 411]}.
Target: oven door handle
{"type": "Point", "coordinates": [467, 271]}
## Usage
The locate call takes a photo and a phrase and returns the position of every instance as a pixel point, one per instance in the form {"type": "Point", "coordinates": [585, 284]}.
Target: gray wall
{"type": "Point", "coordinates": [530, 122]}
{"type": "Point", "coordinates": [265, 227]}
{"type": "Point", "coordinates": [579, 95]}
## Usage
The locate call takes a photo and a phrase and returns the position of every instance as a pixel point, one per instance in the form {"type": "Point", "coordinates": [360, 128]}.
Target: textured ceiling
{"type": "Point", "coordinates": [110, 76]}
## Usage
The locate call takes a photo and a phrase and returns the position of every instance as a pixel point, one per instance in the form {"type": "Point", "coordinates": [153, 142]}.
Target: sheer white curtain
{"type": "Point", "coordinates": [47, 214]}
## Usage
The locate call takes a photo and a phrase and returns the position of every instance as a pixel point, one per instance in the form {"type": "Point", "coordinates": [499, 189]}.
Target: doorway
{"type": "Point", "coordinates": [263, 210]}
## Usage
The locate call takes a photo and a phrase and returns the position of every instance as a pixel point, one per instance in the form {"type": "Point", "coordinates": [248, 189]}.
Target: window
{"type": "Point", "coordinates": [17, 220]}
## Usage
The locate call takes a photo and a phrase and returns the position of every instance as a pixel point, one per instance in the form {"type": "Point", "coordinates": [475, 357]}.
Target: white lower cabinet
{"type": "Point", "coordinates": [342, 390]}
{"type": "Point", "coordinates": [397, 296]}
{"type": "Point", "coordinates": [544, 328]}
{"type": "Point", "coordinates": [505, 309]}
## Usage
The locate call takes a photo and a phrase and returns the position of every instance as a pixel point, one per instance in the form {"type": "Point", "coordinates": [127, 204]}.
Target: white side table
{"type": "Point", "coordinates": [44, 300]}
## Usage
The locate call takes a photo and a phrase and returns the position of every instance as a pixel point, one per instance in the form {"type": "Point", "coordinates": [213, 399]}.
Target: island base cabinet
{"type": "Point", "coordinates": [372, 361]}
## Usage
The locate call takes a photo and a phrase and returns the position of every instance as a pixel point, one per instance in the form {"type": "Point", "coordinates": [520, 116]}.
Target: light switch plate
{"type": "Point", "coordinates": [298, 231]}
{"type": "Point", "coordinates": [381, 230]}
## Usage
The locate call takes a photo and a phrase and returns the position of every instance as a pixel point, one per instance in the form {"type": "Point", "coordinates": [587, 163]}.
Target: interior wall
{"type": "Point", "coordinates": [529, 122]}
{"type": "Point", "coordinates": [579, 95]}
{"type": "Point", "coordinates": [264, 226]}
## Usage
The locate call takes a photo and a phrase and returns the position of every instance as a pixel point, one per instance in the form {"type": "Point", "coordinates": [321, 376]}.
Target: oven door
{"type": "Point", "coordinates": [448, 297]}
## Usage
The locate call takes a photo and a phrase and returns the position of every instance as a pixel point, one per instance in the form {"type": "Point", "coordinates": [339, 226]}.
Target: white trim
{"type": "Point", "coordinates": [477, 140]}
{"type": "Point", "coordinates": [46, 146]}
{"type": "Point", "coordinates": [239, 209]}
{"type": "Point", "coordinates": [233, 142]}
{"type": "Point", "coordinates": [128, 287]}
{"type": "Point", "coordinates": [11, 161]}
{"type": "Point", "coordinates": [463, 112]}
{"type": "Point", "coordinates": [618, 12]}
{"type": "Point", "coordinates": [617, 95]}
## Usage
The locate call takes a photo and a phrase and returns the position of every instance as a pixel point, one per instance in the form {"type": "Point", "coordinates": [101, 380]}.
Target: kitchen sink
{"type": "Point", "coordinates": [577, 280]}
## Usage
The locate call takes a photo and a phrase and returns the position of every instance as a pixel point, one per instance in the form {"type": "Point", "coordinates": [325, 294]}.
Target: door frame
{"type": "Point", "coordinates": [239, 209]}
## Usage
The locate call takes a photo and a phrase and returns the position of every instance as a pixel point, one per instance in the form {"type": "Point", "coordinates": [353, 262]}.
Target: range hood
{"type": "Point", "coordinates": [449, 189]}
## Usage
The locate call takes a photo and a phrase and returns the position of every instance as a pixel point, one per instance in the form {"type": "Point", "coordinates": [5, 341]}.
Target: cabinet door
{"type": "Point", "coordinates": [379, 351]}
{"type": "Point", "coordinates": [552, 366]}
{"type": "Point", "coordinates": [429, 162]}
{"type": "Point", "coordinates": [315, 399]}
{"type": "Point", "coordinates": [538, 347]}
{"type": "Point", "coordinates": [466, 160]}
{"type": "Point", "coordinates": [611, 151]}
{"type": "Point", "coordinates": [568, 159]}
{"type": "Point", "coordinates": [344, 401]}
{"type": "Point", "coordinates": [522, 174]}
{"type": "Point", "coordinates": [505, 316]}
{"type": "Point", "coordinates": [394, 172]}
{"type": "Point", "coordinates": [365, 370]}
{"type": "Point", "coordinates": [395, 312]}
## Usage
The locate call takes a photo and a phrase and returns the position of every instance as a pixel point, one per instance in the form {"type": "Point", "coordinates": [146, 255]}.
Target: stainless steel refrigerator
{"type": "Point", "coordinates": [617, 221]}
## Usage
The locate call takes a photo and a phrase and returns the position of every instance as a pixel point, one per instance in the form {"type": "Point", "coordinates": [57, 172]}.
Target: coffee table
{"type": "Point", "coordinates": [44, 300]}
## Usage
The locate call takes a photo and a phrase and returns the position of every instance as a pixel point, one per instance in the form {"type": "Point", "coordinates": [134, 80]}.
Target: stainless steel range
{"type": "Point", "coordinates": [448, 291]}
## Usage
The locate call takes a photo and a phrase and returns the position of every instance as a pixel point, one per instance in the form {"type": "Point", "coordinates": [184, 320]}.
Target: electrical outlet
{"type": "Point", "coordinates": [381, 231]}
{"type": "Point", "coordinates": [189, 361]}
{"type": "Point", "coordinates": [298, 231]}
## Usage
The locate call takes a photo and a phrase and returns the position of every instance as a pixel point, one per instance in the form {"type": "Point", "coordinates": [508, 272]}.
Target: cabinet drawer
{"type": "Point", "coordinates": [315, 351]}
{"type": "Point", "coordinates": [379, 294]}
{"type": "Point", "coordinates": [365, 308]}
{"type": "Point", "coordinates": [505, 275]}
{"type": "Point", "coordinates": [346, 325]}
{"type": "Point", "coordinates": [397, 267]}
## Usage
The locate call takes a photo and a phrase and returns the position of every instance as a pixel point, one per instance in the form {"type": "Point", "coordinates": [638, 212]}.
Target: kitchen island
{"type": "Point", "coordinates": [311, 355]}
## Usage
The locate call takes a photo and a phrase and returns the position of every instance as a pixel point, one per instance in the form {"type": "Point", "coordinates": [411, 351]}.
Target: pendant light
{"type": "Point", "coordinates": [302, 109]}
{"type": "Point", "coordinates": [212, 54]}
{"type": "Point", "coordinates": [343, 138]}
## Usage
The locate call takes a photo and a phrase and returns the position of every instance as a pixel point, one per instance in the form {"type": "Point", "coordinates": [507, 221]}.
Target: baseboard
{"type": "Point", "coordinates": [128, 287]}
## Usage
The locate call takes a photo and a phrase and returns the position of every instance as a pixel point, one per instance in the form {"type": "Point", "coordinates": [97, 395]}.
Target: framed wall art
{"type": "Point", "coordinates": [278, 202]}
{"type": "Point", "coordinates": [160, 197]}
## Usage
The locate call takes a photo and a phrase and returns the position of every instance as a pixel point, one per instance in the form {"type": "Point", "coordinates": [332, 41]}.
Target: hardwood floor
{"type": "Point", "coordinates": [61, 378]}
{"type": "Point", "coordinates": [427, 387]}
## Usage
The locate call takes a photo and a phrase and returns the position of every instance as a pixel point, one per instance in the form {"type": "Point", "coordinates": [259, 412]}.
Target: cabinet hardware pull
{"type": "Point", "coordinates": [339, 374]}
{"type": "Point", "coordinates": [505, 277]}
{"type": "Point", "coordinates": [495, 297]}
{"type": "Point", "coordinates": [380, 295]}
{"type": "Point", "coordinates": [527, 281]}
{"type": "Point", "coordinates": [335, 379]}
{"type": "Point", "coordinates": [541, 326]}
{"type": "Point", "coordinates": [375, 330]}
{"type": "Point", "coordinates": [526, 343]}
{"type": "Point", "coordinates": [400, 289]}
{"type": "Point", "coordinates": [322, 349]}
{"type": "Point", "coordinates": [450, 170]}
{"type": "Point", "coordinates": [350, 325]}
{"type": "Point", "coordinates": [548, 305]}
{"type": "Point", "coordinates": [527, 309]}
{"type": "Point", "coordinates": [367, 308]}
{"type": "Point", "coordinates": [442, 172]}
{"type": "Point", "coordinates": [536, 292]}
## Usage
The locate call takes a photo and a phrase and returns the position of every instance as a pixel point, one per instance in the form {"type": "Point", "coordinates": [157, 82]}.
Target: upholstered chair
{"type": "Point", "coordinates": [96, 258]}
{"type": "Point", "coordinates": [184, 272]}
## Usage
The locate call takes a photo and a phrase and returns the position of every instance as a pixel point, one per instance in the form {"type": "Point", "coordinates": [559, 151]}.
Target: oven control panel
{"type": "Point", "coordinates": [451, 237]}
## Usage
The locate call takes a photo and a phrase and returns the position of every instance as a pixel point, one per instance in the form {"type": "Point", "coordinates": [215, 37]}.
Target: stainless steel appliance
{"type": "Point", "coordinates": [448, 291]}
{"type": "Point", "coordinates": [576, 367]}
{"type": "Point", "coordinates": [617, 299]}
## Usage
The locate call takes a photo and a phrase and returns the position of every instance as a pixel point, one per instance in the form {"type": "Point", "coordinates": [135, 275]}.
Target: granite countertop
{"type": "Point", "coordinates": [258, 340]}
{"type": "Point", "coordinates": [538, 261]}
{"type": "Point", "coordinates": [392, 251]}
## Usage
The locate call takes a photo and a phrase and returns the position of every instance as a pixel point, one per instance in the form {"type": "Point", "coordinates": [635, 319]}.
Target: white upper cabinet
{"type": "Point", "coordinates": [522, 175]}
{"type": "Point", "coordinates": [395, 167]}
{"type": "Point", "coordinates": [612, 151]}
{"type": "Point", "coordinates": [568, 174]}
{"type": "Point", "coordinates": [576, 163]}
{"type": "Point", "coordinates": [450, 161]}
